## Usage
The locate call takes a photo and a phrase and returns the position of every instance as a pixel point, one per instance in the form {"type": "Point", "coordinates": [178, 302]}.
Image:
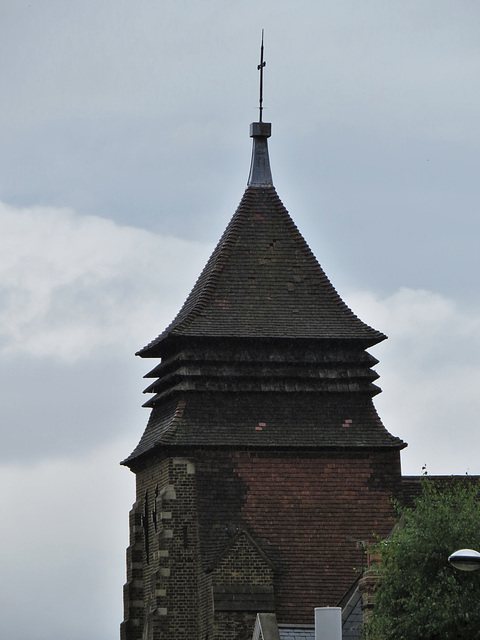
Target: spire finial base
{"type": "Point", "coordinates": [260, 173]}
{"type": "Point", "coordinates": [263, 129]}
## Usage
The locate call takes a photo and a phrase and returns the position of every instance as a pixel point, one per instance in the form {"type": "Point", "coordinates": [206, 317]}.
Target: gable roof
{"type": "Point", "coordinates": [232, 542]}
{"type": "Point", "coordinates": [296, 632]}
{"type": "Point", "coordinates": [263, 281]}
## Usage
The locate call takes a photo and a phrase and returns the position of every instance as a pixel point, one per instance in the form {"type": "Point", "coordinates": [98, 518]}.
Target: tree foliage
{"type": "Point", "coordinates": [420, 595]}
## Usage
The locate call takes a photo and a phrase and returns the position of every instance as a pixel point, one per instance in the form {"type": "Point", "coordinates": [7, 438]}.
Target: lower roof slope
{"type": "Point", "coordinates": [265, 420]}
{"type": "Point", "coordinates": [261, 281]}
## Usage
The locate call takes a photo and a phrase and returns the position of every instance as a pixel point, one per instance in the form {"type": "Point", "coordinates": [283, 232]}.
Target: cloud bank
{"type": "Point", "coordinates": [71, 285]}
{"type": "Point", "coordinates": [430, 375]}
{"type": "Point", "coordinates": [78, 296]}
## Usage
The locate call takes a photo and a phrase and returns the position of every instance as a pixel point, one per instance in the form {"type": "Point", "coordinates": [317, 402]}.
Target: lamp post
{"type": "Point", "coordinates": [465, 560]}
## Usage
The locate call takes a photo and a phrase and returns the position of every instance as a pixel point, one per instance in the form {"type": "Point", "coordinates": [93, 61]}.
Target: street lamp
{"type": "Point", "coordinates": [465, 559]}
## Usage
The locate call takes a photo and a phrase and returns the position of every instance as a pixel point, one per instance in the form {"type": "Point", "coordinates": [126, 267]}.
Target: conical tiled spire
{"type": "Point", "coordinates": [262, 280]}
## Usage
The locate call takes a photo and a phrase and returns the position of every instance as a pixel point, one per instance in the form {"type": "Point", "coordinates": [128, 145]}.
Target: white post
{"type": "Point", "coordinates": [328, 623]}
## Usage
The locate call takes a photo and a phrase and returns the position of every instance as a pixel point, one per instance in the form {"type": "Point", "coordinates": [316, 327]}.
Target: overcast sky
{"type": "Point", "coordinates": [124, 153]}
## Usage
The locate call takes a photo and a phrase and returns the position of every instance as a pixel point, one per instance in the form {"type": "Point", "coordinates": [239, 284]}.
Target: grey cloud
{"type": "Point", "coordinates": [66, 535]}
{"type": "Point", "coordinates": [53, 409]}
{"type": "Point", "coordinates": [430, 374]}
{"type": "Point", "coordinates": [75, 305]}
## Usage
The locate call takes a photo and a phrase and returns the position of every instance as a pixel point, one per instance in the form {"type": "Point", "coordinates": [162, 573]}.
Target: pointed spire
{"type": "Point", "coordinates": [260, 173]}
{"type": "Point", "coordinates": [260, 68]}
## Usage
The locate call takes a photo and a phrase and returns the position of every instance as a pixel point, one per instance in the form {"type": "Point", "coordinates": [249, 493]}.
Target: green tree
{"type": "Point", "coordinates": [420, 595]}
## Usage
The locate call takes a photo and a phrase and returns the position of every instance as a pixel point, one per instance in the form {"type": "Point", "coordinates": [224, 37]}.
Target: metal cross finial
{"type": "Point", "coordinates": [260, 68]}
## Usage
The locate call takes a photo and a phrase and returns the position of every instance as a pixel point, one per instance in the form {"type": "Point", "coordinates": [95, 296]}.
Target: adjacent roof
{"type": "Point", "coordinates": [297, 632]}
{"type": "Point", "coordinates": [412, 485]}
{"type": "Point", "coordinates": [352, 617]}
{"type": "Point", "coordinates": [263, 281]}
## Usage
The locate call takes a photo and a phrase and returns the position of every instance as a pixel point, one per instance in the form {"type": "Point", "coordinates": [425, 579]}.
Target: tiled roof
{"type": "Point", "coordinates": [263, 281]}
{"type": "Point", "coordinates": [353, 619]}
{"type": "Point", "coordinates": [296, 632]}
{"type": "Point", "coordinates": [265, 420]}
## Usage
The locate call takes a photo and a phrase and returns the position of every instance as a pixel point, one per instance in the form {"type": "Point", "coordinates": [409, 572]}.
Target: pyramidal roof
{"type": "Point", "coordinates": [262, 280]}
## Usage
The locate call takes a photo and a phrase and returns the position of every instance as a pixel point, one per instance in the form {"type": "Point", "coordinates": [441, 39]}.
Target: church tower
{"type": "Point", "coordinates": [264, 461]}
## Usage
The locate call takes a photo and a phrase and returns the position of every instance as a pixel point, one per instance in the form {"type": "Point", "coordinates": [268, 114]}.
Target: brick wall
{"type": "Point", "coordinates": [234, 532]}
{"type": "Point", "coordinates": [242, 580]}
{"type": "Point", "coordinates": [311, 513]}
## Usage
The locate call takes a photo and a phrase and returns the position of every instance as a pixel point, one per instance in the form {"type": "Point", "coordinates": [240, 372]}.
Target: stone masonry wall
{"type": "Point", "coordinates": [133, 592]}
{"type": "Point", "coordinates": [171, 576]}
